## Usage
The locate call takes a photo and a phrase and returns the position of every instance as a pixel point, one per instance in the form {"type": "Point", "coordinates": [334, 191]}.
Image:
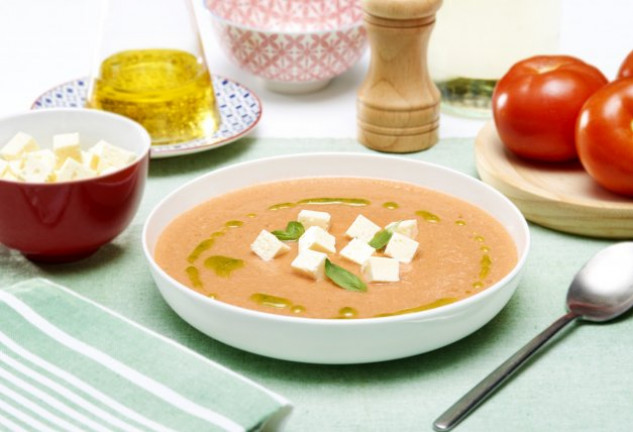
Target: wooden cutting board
{"type": "Point", "coordinates": [558, 196]}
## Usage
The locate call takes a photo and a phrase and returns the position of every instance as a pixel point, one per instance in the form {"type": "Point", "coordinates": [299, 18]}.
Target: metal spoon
{"type": "Point", "coordinates": [601, 290]}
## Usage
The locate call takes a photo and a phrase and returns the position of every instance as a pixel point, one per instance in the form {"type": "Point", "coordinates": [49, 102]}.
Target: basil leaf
{"type": "Point", "coordinates": [381, 239]}
{"type": "Point", "coordinates": [344, 278]}
{"type": "Point", "coordinates": [293, 231]}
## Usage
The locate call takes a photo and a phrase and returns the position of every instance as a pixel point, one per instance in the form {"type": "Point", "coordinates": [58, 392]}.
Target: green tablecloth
{"type": "Point", "coordinates": [582, 382]}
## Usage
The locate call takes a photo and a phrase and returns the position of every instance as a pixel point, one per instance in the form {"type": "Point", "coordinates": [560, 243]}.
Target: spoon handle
{"type": "Point", "coordinates": [471, 400]}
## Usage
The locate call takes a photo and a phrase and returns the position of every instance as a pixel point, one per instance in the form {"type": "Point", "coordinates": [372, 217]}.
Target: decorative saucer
{"type": "Point", "coordinates": [240, 110]}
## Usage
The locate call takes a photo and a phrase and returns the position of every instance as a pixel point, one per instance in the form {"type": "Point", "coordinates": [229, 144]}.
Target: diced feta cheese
{"type": "Point", "coordinates": [90, 160]}
{"type": "Point", "coordinates": [381, 269]}
{"type": "Point", "coordinates": [66, 146]}
{"type": "Point", "coordinates": [357, 251]}
{"type": "Point", "coordinates": [96, 149]}
{"type": "Point", "coordinates": [317, 239]}
{"type": "Point", "coordinates": [407, 227]}
{"type": "Point", "coordinates": [38, 166]}
{"type": "Point", "coordinates": [6, 171]}
{"type": "Point", "coordinates": [73, 170]}
{"type": "Point", "coordinates": [362, 229]}
{"type": "Point", "coordinates": [111, 156]}
{"type": "Point", "coordinates": [309, 218]}
{"type": "Point", "coordinates": [401, 248]}
{"type": "Point", "coordinates": [267, 246]}
{"type": "Point", "coordinates": [310, 263]}
{"type": "Point", "coordinates": [15, 167]}
{"type": "Point", "coordinates": [18, 145]}
{"type": "Point", "coordinates": [8, 175]}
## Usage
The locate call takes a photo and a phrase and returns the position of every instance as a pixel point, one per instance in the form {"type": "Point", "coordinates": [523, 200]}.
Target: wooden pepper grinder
{"type": "Point", "coordinates": [398, 104]}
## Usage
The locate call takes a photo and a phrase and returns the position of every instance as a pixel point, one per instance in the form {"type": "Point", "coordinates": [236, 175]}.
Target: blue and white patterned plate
{"type": "Point", "coordinates": [240, 110]}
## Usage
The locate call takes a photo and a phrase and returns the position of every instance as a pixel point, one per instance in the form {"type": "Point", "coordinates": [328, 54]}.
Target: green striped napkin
{"type": "Point", "coordinates": [69, 364]}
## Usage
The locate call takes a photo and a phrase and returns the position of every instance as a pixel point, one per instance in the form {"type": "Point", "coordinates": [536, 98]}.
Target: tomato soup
{"type": "Point", "coordinates": [462, 249]}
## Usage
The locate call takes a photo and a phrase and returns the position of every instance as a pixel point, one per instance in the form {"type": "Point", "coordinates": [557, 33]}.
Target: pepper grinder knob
{"type": "Point", "coordinates": [398, 104]}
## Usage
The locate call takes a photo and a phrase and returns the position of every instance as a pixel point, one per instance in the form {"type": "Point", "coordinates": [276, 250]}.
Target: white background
{"type": "Point", "coordinates": [46, 42]}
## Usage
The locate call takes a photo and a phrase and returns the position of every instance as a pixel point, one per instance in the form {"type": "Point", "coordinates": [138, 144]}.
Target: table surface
{"type": "Point", "coordinates": [582, 381]}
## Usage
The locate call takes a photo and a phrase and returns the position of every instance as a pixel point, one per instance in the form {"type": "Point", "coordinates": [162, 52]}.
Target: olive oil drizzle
{"type": "Point", "coordinates": [428, 216]}
{"type": "Point", "coordinates": [297, 309]}
{"type": "Point", "coordinates": [234, 224]}
{"type": "Point", "coordinates": [282, 206]}
{"type": "Point", "coordinates": [485, 262]}
{"type": "Point", "coordinates": [347, 313]}
{"type": "Point", "coordinates": [437, 303]}
{"type": "Point", "coordinates": [194, 276]}
{"type": "Point", "coordinates": [222, 265]}
{"type": "Point", "coordinates": [276, 302]}
{"type": "Point", "coordinates": [354, 202]}
{"type": "Point", "coordinates": [390, 205]}
{"type": "Point", "coordinates": [271, 301]}
{"type": "Point", "coordinates": [203, 246]}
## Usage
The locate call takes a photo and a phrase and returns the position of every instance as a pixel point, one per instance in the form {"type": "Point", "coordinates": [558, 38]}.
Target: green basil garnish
{"type": "Point", "coordinates": [293, 231]}
{"type": "Point", "coordinates": [344, 278]}
{"type": "Point", "coordinates": [381, 239]}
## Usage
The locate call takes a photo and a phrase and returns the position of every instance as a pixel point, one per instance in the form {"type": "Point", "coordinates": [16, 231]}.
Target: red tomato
{"type": "Point", "coordinates": [536, 103]}
{"type": "Point", "coordinates": [604, 136]}
{"type": "Point", "coordinates": [626, 68]}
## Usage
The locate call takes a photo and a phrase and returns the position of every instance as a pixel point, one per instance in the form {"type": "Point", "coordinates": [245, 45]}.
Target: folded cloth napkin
{"type": "Point", "coordinates": [69, 364]}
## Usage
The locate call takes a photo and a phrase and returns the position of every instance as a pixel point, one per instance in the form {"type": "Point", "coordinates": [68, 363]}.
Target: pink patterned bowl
{"type": "Point", "coordinates": [296, 46]}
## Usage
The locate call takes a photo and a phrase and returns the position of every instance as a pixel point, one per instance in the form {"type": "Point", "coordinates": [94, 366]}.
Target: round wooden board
{"type": "Point", "coordinates": [559, 196]}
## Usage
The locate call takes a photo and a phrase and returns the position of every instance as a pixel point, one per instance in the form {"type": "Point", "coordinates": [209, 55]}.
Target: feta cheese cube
{"type": "Point", "coordinates": [6, 170]}
{"type": "Point", "coordinates": [4, 166]}
{"type": "Point", "coordinates": [362, 229]}
{"type": "Point", "coordinates": [8, 175]}
{"type": "Point", "coordinates": [90, 160]}
{"type": "Point", "coordinates": [15, 167]}
{"type": "Point", "coordinates": [407, 227]}
{"type": "Point", "coordinates": [401, 248]}
{"type": "Point", "coordinates": [357, 251]}
{"type": "Point", "coordinates": [73, 170]}
{"type": "Point", "coordinates": [38, 166]}
{"type": "Point", "coordinates": [381, 269]}
{"type": "Point", "coordinates": [317, 239]}
{"type": "Point", "coordinates": [267, 246]}
{"type": "Point", "coordinates": [18, 145]}
{"type": "Point", "coordinates": [66, 146]}
{"type": "Point", "coordinates": [309, 218]}
{"type": "Point", "coordinates": [310, 263]}
{"type": "Point", "coordinates": [111, 156]}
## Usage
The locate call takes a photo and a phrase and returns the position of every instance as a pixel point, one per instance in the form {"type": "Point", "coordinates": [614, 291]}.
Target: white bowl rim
{"type": "Point", "coordinates": [269, 31]}
{"type": "Point", "coordinates": [147, 140]}
{"type": "Point", "coordinates": [440, 312]}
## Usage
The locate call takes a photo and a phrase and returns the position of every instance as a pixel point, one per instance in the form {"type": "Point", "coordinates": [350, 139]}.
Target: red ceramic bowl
{"type": "Point", "coordinates": [66, 221]}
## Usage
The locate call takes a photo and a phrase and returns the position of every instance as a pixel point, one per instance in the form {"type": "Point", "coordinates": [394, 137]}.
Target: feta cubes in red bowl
{"type": "Point", "coordinates": [71, 180]}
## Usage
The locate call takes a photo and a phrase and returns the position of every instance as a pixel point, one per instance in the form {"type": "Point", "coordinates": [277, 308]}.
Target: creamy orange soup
{"type": "Point", "coordinates": [462, 249]}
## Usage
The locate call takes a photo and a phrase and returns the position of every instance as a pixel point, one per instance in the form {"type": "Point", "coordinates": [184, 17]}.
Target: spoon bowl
{"type": "Point", "coordinates": [603, 288]}
{"type": "Point", "coordinates": [601, 291]}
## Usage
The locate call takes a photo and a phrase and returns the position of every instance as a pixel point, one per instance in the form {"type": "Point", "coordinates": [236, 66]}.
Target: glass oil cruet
{"type": "Point", "coordinates": [151, 68]}
{"type": "Point", "coordinates": [475, 42]}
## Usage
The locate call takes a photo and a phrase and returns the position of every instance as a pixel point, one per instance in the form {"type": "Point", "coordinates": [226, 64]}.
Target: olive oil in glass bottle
{"type": "Point", "coordinates": [151, 68]}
